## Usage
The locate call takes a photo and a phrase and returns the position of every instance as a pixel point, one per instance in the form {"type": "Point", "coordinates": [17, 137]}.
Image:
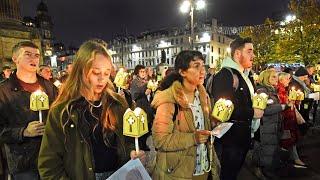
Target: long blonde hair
{"type": "Point", "coordinates": [77, 84]}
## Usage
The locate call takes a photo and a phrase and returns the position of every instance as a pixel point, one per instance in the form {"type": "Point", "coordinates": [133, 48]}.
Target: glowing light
{"type": "Point", "coordinates": [201, 4]}
{"type": "Point", "coordinates": [185, 6]}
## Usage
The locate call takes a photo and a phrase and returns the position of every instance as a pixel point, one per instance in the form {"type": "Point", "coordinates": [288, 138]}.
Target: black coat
{"type": "Point", "coordinates": [15, 114]}
{"type": "Point", "coordinates": [240, 133]}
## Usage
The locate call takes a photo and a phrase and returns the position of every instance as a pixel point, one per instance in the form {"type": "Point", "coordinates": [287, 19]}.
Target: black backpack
{"type": "Point", "coordinates": [210, 82]}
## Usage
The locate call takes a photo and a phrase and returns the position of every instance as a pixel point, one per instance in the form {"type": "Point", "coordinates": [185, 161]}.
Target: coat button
{"type": "Point", "coordinates": [90, 169]}
{"type": "Point", "coordinates": [241, 89]}
{"type": "Point", "coordinates": [72, 125]}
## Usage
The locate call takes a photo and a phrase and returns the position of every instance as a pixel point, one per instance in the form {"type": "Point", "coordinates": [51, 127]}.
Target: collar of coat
{"type": "Point", "coordinates": [175, 94]}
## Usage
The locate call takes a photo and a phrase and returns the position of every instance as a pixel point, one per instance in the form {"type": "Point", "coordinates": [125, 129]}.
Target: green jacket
{"type": "Point", "coordinates": [64, 152]}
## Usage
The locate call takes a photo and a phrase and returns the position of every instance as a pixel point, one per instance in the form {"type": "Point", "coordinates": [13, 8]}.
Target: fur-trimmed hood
{"type": "Point", "coordinates": [174, 94]}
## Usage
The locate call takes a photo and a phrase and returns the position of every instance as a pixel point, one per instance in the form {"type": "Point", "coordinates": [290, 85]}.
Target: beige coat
{"type": "Point", "coordinates": [175, 140]}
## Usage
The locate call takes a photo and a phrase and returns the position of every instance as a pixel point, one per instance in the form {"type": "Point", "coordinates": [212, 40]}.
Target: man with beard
{"type": "Point", "coordinates": [232, 82]}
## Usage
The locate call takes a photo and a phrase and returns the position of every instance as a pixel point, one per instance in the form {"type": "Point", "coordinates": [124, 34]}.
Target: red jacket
{"type": "Point", "coordinates": [289, 119]}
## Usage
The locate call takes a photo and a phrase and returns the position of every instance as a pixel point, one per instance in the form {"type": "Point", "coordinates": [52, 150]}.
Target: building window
{"type": "Point", "coordinates": [181, 40]}
{"type": "Point", "coordinates": [177, 41]}
{"type": "Point", "coordinates": [219, 50]}
{"type": "Point", "coordinates": [211, 48]}
{"type": "Point", "coordinates": [219, 39]}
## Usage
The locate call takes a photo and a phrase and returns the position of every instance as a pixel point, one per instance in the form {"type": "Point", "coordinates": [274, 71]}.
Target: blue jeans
{"type": "Point", "coordinates": [27, 175]}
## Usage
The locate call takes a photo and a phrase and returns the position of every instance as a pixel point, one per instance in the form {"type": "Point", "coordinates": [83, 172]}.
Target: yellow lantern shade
{"type": "Point", "coordinates": [300, 95]}
{"type": "Point", "coordinates": [222, 110]}
{"type": "Point", "coordinates": [255, 77]}
{"type": "Point", "coordinates": [39, 101]}
{"type": "Point", "coordinates": [152, 85]}
{"type": "Point", "coordinates": [135, 123]}
{"type": "Point", "coordinates": [315, 87]}
{"type": "Point", "coordinates": [292, 94]}
{"type": "Point", "coordinates": [121, 79]}
{"type": "Point", "coordinates": [260, 100]}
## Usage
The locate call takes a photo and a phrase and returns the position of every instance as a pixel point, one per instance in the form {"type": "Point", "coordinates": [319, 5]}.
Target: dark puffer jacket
{"type": "Point", "coordinates": [270, 130]}
{"type": "Point", "coordinates": [15, 114]}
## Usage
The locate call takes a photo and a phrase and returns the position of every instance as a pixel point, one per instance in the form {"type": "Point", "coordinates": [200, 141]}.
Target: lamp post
{"type": "Point", "coordinates": [190, 6]}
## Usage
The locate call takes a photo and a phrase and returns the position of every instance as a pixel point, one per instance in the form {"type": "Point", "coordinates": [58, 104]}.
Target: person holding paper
{"type": "Point", "coordinates": [20, 128]}
{"type": "Point", "coordinates": [181, 128]}
{"type": "Point", "coordinates": [233, 82]}
{"type": "Point", "coordinates": [83, 139]}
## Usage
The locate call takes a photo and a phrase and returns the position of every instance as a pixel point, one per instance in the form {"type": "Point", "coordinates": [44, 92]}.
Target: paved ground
{"type": "Point", "coordinates": [309, 153]}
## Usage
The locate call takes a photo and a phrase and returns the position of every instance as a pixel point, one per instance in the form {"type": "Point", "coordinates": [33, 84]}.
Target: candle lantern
{"type": "Point", "coordinates": [260, 100]}
{"type": "Point", "coordinates": [315, 87]}
{"type": "Point", "coordinates": [121, 79]}
{"type": "Point", "coordinates": [300, 95]}
{"type": "Point", "coordinates": [39, 101]}
{"type": "Point", "coordinates": [292, 94]}
{"type": "Point", "coordinates": [135, 124]}
{"type": "Point", "coordinates": [223, 109]}
{"type": "Point", "coordinates": [152, 85]}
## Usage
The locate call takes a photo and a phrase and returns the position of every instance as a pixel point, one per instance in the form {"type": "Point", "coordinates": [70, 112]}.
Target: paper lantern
{"type": "Point", "coordinates": [300, 95]}
{"type": "Point", "coordinates": [260, 100]}
{"type": "Point", "coordinates": [222, 110]}
{"type": "Point", "coordinates": [315, 87]}
{"type": "Point", "coordinates": [39, 101]}
{"type": "Point", "coordinates": [292, 94]}
{"type": "Point", "coordinates": [121, 79]}
{"type": "Point", "coordinates": [135, 123]}
{"type": "Point", "coordinates": [152, 85]}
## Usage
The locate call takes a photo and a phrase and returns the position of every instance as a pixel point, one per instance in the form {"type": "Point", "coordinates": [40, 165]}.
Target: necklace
{"type": "Point", "coordinates": [96, 106]}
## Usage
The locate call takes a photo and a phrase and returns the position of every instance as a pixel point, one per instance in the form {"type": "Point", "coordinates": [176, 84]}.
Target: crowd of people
{"type": "Point", "coordinates": [81, 136]}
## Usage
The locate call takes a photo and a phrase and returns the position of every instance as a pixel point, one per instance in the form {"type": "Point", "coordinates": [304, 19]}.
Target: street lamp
{"type": "Point", "coordinates": [189, 6]}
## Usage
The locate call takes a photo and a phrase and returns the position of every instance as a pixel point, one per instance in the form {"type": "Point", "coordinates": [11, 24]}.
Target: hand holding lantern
{"type": "Point", "coordinates": [260, 101]}
{"type": "Point", "coordinates": [121, 79]}
{"type": "Point", "coordinates": [39, 101]}
{"type": "Point", "coordinates": [223, 109]}
{"type": "Point", "coordinates": [135, 124]}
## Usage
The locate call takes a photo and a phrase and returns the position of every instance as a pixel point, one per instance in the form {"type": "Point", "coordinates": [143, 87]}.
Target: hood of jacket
{"type": "Point", "coordinates": [228, 62]}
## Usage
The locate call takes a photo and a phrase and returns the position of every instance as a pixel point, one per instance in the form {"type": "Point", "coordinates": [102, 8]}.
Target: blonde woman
{"type": "Point", "coordinates": [268, 151]}
{"type": "Point", "coordinates": [83, 137]}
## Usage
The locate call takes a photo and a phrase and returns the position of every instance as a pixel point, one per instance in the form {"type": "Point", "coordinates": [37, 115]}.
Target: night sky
{"type": "Point", "coordinates": [78, 20]}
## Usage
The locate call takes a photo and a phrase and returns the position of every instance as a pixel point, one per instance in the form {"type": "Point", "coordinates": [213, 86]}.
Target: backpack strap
{"type": "Point", "coordinates": [235, 79]}
{"type": "Point", "coordinates": [176, 111]}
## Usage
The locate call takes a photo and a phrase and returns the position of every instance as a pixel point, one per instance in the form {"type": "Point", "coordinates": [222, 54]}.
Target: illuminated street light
{"type": "Point", "coordinates": [185, 7]}
{"type": "Point", "coordinates": [189, 6]}
{"type": "Point", "coordinates": [201, 4]}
